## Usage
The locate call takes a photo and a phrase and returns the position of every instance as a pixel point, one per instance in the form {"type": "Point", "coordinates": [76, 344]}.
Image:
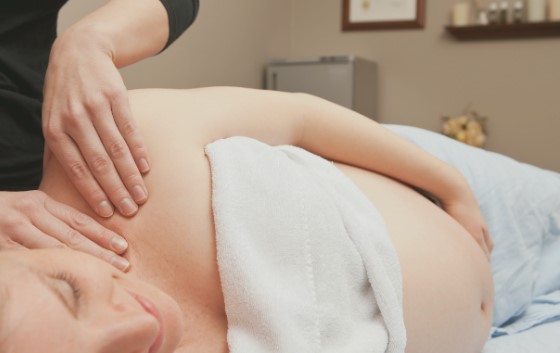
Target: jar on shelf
{"type": "Point", "coordinates": [492, 13]}
{"type": "Point", "coordinates": [518, 15]}
{"type": "Point", "coordinates": [503, 17]}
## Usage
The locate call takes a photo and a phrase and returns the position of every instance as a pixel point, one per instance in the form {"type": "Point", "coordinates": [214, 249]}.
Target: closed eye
{"type": "Point", "coordinates": [65, 288]}
{"type": "Point", "coordinates": [73, 284]}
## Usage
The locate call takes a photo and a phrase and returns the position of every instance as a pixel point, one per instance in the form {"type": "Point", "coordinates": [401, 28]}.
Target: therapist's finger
{"type": "Point", "coordinates": [78, 171]}
{"type": "Point", "coordinates": [71, 238]}
{"type": "Point", "coordinates": [8, 243]}
{"type": "Point", "coordinates": [31, 237]}
{"type": "Point", "coordinates": [130, 131]}
{"type": "Point", "coordinates": [86, 227]}
{"type": "Point", "coordinates": [120, 154]}
{"type": "Point", "coordinates": [102, 166]}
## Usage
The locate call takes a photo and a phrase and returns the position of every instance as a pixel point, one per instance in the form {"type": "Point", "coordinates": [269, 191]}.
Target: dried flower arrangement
{"type": "Point", "coordinates": [469, 128]}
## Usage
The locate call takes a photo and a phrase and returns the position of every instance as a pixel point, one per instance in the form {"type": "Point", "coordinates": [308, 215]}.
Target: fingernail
{"type": "Point", "coordinates": [119, 244]}
{"type": "Point", "coordinates": [139, 193]}
{"type": "Point", "coordinates": [128, 207]}
{"type": "Point", "coordinates": [143, 165]}
{"type": "Point", "coordinates": [104, 209]}
{"type": "Point", "coordinates": [120, 263]}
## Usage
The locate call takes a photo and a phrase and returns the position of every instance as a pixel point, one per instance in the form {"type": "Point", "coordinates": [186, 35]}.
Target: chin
{"type": "Point", "coordinates": [168, 312]}
{"type": "Point", "coordinates": [165, 309]}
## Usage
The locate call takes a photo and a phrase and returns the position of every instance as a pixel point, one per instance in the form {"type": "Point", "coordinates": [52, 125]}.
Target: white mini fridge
{"type": "Point", "coordinates": [346, 80]}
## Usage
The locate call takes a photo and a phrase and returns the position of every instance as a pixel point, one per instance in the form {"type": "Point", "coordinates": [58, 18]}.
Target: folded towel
{"type": "Point", "coordinates": [305, 260]}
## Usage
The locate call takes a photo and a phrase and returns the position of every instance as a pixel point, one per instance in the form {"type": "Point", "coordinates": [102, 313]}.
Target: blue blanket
{"type": "Point", "coordinates": [521, 205]}
{"type": "Point", "coordinates": [539, 339]}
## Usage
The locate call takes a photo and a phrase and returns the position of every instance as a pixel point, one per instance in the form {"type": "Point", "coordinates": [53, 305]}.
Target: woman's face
{"type": "Point", "coordinates": [62, 301]}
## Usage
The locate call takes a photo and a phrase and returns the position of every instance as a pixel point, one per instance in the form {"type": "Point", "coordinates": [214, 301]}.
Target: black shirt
{"type": "Point", "coordinates": [27, 32]}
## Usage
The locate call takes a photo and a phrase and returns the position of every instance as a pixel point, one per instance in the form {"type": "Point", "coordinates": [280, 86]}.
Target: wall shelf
{"type": "Point", "coordinates": [508, 31]}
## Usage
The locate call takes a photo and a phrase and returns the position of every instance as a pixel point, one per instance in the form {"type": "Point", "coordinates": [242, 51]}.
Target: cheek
{"type": "Point", "coordinates": [46, 330]}
{"type": "Point", "coordinates": [174, 324]}
{"type": "Point", "coordinates": [126, 332]}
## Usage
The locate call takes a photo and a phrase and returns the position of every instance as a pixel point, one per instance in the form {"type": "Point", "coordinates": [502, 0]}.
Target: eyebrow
{"type": "Point", "coordinates": [46, 281]}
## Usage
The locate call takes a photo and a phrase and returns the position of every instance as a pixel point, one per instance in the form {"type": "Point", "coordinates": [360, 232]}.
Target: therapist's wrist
{"type": "Point", "coordinates": [82, 38]}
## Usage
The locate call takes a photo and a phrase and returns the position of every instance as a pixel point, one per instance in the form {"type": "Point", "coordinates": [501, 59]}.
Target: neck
{"type": "Point", "coordinates": [204, 316]}
{"type": "Point", "coordinates": [204, 335]}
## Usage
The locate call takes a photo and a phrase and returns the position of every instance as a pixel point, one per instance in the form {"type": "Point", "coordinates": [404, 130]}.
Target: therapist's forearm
{"type": "Point", "coordinates": [128, 30]}
{"type": "Point", "coordinates": [345, 136]}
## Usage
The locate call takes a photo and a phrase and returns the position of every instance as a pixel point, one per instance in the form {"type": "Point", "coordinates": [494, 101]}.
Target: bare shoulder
{"type": "Point", "coordinates": [183, 113]}
{"type": "Point", "coordinates": [168, 111]}
{"type": "Point", "coordinates": [206, 99]}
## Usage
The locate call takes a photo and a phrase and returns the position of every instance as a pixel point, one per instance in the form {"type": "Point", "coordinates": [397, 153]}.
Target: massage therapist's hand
{"type": "Point", "coordinates": [88, 125]}
{"type": "Point", "coordinates": [33, 220]}
{"type": "Point", "coordinates": [466, 211]}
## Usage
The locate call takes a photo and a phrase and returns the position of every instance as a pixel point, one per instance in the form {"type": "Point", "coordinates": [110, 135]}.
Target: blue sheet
{"type": "Point", "coordinates": [539, 339]}
{"type": "Point", "coordinates": [521, 205]}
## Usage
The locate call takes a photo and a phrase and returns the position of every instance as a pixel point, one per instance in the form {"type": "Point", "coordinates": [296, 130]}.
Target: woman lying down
{"type": "Point", "coordinates": [245, 247]}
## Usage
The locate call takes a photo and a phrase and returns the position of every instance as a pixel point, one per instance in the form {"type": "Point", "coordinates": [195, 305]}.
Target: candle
{"type": "Point", "coordinates": [536, 11]}
{"type": "Point", "coordinates": [461, 14]}
{"type": "Point", "coordinates": [554, 10]}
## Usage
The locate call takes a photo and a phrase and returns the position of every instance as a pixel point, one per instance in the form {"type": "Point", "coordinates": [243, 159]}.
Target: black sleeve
{"type": "Point", "coordinates": [181, 14]}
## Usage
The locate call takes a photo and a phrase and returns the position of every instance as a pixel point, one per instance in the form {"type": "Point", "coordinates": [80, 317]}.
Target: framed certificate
{"type": "Point", "coordinates": [358, 15]}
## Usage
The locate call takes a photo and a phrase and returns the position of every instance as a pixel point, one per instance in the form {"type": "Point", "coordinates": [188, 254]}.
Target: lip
{"type": "Point", "coordinates": [151, 309]}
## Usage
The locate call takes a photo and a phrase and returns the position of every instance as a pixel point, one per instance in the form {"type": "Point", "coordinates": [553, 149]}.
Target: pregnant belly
{"type": "Point", "coordinates": [447, 284]}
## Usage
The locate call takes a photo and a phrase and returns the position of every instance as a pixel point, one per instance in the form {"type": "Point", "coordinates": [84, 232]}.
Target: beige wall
{"type": "Point", "coordinates": [229, 44]}
{"type": "Point", "coordinates": [424, 74]}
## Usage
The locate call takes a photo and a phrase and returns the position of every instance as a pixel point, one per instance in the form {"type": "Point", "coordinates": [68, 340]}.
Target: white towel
{"type": "Point", "coordinates": [305, 260]}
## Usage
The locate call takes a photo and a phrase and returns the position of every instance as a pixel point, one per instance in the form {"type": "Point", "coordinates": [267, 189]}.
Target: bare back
{"type": "Point", "coordinates": [447, 283]}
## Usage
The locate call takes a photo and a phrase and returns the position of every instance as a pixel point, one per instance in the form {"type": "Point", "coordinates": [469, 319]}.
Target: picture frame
{"type": "Point", "coordinates": [360, 15]}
